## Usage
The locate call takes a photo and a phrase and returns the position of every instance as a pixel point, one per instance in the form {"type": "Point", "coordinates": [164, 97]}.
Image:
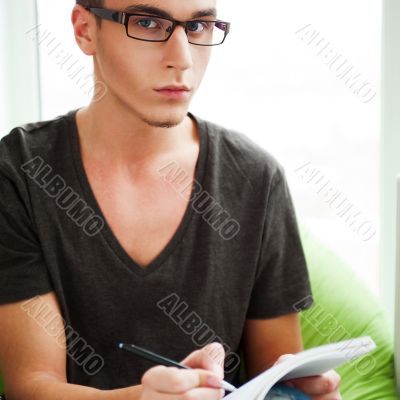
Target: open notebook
{"type": "Point", "coordinates": [310, 362]}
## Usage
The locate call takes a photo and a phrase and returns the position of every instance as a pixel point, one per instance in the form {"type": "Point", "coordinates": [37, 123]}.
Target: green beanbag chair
{"type": "Point", "coordinates": [344, 308]}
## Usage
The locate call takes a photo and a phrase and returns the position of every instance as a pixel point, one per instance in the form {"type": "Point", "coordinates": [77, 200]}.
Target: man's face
{"type": "Point", "coordinates": [133, 69]}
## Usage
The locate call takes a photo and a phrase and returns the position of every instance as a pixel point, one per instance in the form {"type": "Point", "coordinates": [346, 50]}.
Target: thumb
{"type": "Point", "coordinates": [210, 357]}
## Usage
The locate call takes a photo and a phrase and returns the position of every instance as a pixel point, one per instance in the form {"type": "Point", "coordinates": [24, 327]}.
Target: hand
{"type": "Point", "coordinates": [203, 382]}
{"type": "Point", "coordinates": [321, 387]}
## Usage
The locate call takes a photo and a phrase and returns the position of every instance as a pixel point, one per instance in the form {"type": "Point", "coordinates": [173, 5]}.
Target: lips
{"type": "Point", "coordinates": [174, 92]}
{"type": "Point", "coordinates": [175, 88]}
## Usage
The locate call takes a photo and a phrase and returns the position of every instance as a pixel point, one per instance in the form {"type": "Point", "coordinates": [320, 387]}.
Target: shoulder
{"type": "Point", "coordinates": [238, 151]}
{"type": "Point", "coordinates": [33, 133]}
{"type": "Point", "coordinates": [30, 140]}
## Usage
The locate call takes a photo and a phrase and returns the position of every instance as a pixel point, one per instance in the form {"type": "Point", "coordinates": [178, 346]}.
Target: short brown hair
{"type": "Point", "coordinates": [92, 3]}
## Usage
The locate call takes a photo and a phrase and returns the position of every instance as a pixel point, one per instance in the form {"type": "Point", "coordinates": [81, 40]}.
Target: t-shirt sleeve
{"type": "Point", "coordinates": [23, 273]}
{"type": "Point", "coordinates": [282, 283]}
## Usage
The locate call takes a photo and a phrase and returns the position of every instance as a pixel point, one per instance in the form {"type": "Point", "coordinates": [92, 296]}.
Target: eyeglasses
{"type": "Point", "coordinates": [156, 29]}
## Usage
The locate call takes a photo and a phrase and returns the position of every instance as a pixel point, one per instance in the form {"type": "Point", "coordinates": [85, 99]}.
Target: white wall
{"type": "Point", "coordinates": [390, 147]}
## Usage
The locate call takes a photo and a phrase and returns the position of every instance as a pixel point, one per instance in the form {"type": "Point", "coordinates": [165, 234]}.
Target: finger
{"type": "Point", "coordinates": [210, 357]}
{"type": "Point", "coordinates": [194, 394]}
{"type": "Point", "coordinates": [317, 385]}
{"type": "Point", "coordinates": [174, 380]}
{"type": "Point", "coordinates": [216, 352]}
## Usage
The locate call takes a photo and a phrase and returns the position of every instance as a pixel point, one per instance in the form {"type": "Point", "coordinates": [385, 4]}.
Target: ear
{"type": "Point", "coordinates": [84, 25]}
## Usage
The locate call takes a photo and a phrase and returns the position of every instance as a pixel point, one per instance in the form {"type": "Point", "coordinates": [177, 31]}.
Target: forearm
{"type": "Point", "coordinates": [48, 388]}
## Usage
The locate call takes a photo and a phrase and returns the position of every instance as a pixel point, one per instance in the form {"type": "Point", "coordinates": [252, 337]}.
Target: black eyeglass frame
{"type": "Point", "coordinates": [122, 17]}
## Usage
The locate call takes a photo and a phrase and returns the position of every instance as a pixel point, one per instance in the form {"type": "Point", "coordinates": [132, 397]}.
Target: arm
{"type": "Point", "coordinates": [34, 363]}
{"type": "Point", "coordinates": [265, 340]}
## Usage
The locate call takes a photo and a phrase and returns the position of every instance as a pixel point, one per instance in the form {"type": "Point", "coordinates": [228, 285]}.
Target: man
{"type": "Point", "coordinates": [133, 220]}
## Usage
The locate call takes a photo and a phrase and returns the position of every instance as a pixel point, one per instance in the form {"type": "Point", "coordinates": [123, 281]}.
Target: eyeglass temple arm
{"type": "Point", "coordinates": [117, 16]}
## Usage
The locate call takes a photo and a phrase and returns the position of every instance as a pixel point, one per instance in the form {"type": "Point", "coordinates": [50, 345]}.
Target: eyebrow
{"type": "Point", "coordinates": [149, 9]}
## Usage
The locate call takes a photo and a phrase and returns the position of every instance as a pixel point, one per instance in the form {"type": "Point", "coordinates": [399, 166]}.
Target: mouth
{"type": "Point", "coordinates": [174, 92]}
{"type": "Point", "coordinates": [174, 87]}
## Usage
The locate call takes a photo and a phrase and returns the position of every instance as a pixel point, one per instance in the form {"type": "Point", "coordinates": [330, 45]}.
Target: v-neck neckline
{"type": "Point", "coordinates": [92, 202]}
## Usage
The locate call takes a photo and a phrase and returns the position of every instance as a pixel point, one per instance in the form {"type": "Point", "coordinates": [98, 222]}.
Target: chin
{"type": "Point", "coordinates": [165, 119]}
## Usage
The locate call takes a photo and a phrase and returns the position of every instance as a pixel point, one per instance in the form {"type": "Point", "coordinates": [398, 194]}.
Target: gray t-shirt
{"type": "Point", "coordinates": [235, 255]}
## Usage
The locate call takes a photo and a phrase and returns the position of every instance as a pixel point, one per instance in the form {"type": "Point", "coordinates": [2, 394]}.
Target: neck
{"type": "Point", "coordinates": [116, 134]}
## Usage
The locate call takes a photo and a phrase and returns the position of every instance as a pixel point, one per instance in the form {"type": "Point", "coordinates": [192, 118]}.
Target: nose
{"type": "Point", "coordinates": [177, 50]}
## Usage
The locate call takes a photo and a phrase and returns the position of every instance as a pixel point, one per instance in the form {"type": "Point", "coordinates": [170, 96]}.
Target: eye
{"type": "Point", "coordinates": [198, 26]}
{"type": "Point", "coordinates": [147, 23]}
